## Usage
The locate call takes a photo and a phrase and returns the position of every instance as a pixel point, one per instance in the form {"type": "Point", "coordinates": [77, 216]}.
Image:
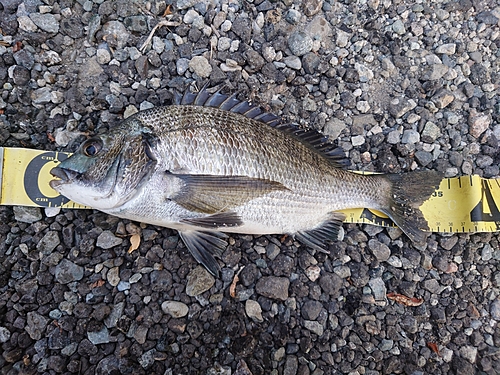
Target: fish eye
{"type": "Point", "coordinates": [92, 147]}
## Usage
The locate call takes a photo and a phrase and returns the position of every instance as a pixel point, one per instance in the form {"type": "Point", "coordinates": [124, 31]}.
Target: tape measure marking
{"type": "Point", "coordinates": [460, 204]}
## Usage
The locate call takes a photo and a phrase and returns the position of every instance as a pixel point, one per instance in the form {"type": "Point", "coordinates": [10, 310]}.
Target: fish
{"type": "Point", "coordinates": [210, 164]}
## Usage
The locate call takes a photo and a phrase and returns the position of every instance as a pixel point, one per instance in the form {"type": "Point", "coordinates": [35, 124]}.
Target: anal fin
{"type": "Point", "coordinates": [204, 247]}
{"type": "Point", "coordinates": [318, 237]}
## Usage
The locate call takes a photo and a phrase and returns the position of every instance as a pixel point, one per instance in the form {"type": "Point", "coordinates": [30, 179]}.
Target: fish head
{"type": "Point", "coordinates": [107, 170]}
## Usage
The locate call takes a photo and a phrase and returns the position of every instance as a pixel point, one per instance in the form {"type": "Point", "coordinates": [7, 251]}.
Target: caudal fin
{"type": "Point", "coordinates": [409, 191]}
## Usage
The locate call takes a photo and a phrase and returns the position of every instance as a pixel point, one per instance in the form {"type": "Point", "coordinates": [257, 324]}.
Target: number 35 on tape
{"type": "Point", "coordinates": [461, 204]}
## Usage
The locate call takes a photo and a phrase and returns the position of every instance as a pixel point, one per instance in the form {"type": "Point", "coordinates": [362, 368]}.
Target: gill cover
{"type": "Point", "coordinates": [107, 169]}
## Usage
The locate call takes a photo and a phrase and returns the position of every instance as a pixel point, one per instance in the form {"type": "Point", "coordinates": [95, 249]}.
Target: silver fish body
{"type": "Point", "coordinates": [205, 169]}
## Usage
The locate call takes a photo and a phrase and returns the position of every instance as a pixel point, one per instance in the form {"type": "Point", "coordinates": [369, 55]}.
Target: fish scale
{"type": "Point", "coordinates": [204, 170]}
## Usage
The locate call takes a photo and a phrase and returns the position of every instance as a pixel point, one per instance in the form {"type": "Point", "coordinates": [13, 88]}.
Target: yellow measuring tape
{"type": "Point", "coordinates": [461, 204]}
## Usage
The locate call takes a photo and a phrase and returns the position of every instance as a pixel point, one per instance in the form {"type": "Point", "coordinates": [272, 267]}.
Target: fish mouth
{"type": "Point", "coordinates": [65, 176]}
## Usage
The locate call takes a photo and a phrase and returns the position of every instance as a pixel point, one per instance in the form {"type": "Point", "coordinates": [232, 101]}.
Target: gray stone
{"type": "Point", "coordinates": [35, 325]}
{"type": "Point", "coordinates": [26, 24]}
{"type": "Point", "coordinates": [386, 345]}
{"type": "Point", "coordinates": [478, 123]}
{"type": "Point", "coordinates": [400, 106]}
{"type": "Point", "coordinates": [410, 136]}
{"type": "Point", "coordinates": [113, 276]}
{"type": "Point", "coordinates": [319, 29]}
{"type": "Point", "coordinates": [434, 72]}
{"type": "Point", "coordinates": [311, 7]}
{"type": "Point", "coordinates": [115, 34]}
{"type": "Point", "coordinates": [115, 315]}
{"type": "Point", "coordinates": [47, 22]}
{"type": "Point", "coordinates": [446, 49]}
{"type": "Point", "coordinates": [199, 280]}
{"type": "Point", "coordinates": [99, 337]}
{"type": "Point", "coordinates": [365, 73]}
{"type": "Point", "coordinates": [314, 326]}
{"type": "Point", "coordinates": [469, 353]}
{"type": "Point", "coordinates": [175, 309]}
{"type": "Point", "coordinates": [379, 250]}
{"type": "Point", "coordinates": [432, 286]}
{"type": "Point", "coordinates": [108, 240]}
{"type": "Point", "coordinates": [393, 137]}
{"type": "Point", "coordinates": [495, 309]}
{"type": "Point", "coordinates": [42, 95]}
{"type": "Point", "coordinates": [293, 62]}
{"type": "Point", "coordinates": [431, 132]}
{"type": "Point", "coordinates": [293, 16]}
{"type": "Point", "coordinates": [253, 310]}
{"type": "Point", "coordinates": [378, 288]}
{"type": "Point", "coordinates": [291, 365]}
{"type": "Point", "coordinates": [184, 4]}
{"type": "Point", "coordinates": [300, 43]}
{"type": "Point", "coordinates": [147, 359]}
{"type": "Point", "coordinates": [486, 253]}
{"type": "Point", "coordinates": [273, 287]}
{"type": "Point", "coordinates": [200, 66]}
{"type": "Point", "coordinates": [398, 27]}
{"type": "Point", "coordinates": [48, 242]}
{"type": "Point", "coordinates": [27, 214]}
{"type": "Point", "coordinates": [443, 98]}
{"type": "Point", "coordinates": [67, 272]}
{"type": "Point", "coordinates": [103, 56]}
{"type": "Point", "coordinates": [4, 335]}
{"type": "Point", "coordinates": [342, 38]}
{"type": "Point", "coordinates": [138, 23]}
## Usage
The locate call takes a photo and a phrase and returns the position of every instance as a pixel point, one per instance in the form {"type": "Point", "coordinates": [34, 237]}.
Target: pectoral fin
{"type": "Point", "coordinates": [204, 246]}
{"type": "Point", "coordinates": [222, 220]}
{"type": "Point", "coordinates": [213, 194]}
{"type": "Point", "coordinates": [328, 231]}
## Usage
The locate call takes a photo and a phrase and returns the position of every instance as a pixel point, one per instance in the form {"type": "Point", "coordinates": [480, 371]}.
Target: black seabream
{"type": "Point", "coordinates": [211, 165]}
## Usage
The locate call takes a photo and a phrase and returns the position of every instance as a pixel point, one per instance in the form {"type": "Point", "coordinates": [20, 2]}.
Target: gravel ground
{"type": "Point", "coordinates": [401, 85]}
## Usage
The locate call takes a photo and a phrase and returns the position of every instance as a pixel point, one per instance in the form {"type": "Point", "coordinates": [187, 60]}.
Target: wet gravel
{"type": "Point", "coordinates": [399, 85]}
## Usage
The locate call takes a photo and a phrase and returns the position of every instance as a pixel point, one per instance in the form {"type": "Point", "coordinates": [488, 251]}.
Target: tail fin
{"type": "Point", "coordinates": [409, 191]}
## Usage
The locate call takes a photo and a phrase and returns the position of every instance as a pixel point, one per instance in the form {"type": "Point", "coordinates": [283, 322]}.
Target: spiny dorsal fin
{"type": "Point", "coordinates": [230, 103]}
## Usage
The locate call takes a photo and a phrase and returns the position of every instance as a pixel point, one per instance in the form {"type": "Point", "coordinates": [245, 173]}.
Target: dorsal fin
{"type": "Point", "coordinates": [309, 137]}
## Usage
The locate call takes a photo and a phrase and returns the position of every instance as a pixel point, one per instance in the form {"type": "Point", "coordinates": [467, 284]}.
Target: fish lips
{"type": "Point", "coordinates": [65, 176]}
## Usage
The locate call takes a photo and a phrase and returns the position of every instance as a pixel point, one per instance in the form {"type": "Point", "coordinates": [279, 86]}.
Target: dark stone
{"type": "Point", "coordinates": [310, 62]}
{"type": "Point", "coordinates": [479, 75]}
{"type": "Point", "coordinates": [273, 287]}
{"type": "Point", "coordinates": [311, 310]}
{"type": "Point", "coordinates": [161, 280]}
{"type": "Point", "coordinates": [282, 265]}
{"type": "Point", "coordinates": [242, 26]}
{"type": "Point", "coordinates": [21, 75]}
{"type": "Point", "coordinates": [24, 58]}
{"type": "Point", "coordinates": [487, 17]}
{"type": "Point", "coordinates": [249, 274]}
{"type": "Point", "coordinates": [331, 284]}
{"type": "Point", "coordinates": [347, 99]}
{"type": "Point", "coordinates": [461, 366]}
{"type": "Point", "coordinates": [72, 27]}
{"type": "Point", "coordinates": [423, 157]}
{"type": "Point", "coordinates": [438, 315]}
{"type": "Point", "coordinates": [254, 60]}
